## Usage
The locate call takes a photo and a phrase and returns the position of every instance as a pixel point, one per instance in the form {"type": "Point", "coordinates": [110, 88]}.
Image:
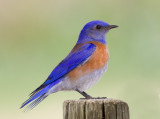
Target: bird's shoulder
{"type": "Point", "coordinates": [96, 61]}
{"type": "Point", "coordinates": [101, 51]}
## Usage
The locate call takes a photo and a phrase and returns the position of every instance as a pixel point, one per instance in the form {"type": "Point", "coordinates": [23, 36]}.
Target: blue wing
{"type": "Point", "coordinates": [73, 60]}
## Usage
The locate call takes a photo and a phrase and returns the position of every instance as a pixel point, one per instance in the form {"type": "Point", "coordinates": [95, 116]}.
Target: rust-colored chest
{"type": "Point", "coordinates": [97, 61]}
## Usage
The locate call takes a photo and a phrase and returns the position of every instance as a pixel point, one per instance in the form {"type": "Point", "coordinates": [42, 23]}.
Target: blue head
{"type": "Point", "coordinates": [95, 31]}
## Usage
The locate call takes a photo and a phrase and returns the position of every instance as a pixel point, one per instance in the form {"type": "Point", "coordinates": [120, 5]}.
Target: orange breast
{"type": "Point", "coordinates": [97, 61]}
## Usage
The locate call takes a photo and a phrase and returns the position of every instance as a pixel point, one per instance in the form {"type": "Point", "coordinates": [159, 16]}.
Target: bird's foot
{"type": "Point", "coordinates": [88, 96]}
{"type": "Point", "coordinates": [100, 98]}
{"type": "Point", "coordinates": [94, 98]}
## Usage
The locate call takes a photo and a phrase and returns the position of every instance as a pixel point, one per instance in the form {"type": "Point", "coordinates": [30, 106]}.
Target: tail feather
{"type": "Point", "coordinates": [37, 90]}
{"type": "Point", "coordinates": [35, 103]}
{"type": "Point", "coordinates": [37, 96]}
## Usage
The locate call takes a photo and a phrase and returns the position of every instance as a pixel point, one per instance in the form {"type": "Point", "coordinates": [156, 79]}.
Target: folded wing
{"type": "Point", "coordinates": [74, 59]}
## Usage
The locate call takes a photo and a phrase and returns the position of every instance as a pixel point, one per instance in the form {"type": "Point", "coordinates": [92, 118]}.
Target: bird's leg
{"type": "Point", "coordinates": [88, 96]}
{"type": "Point", "coordinates": [84, 94]}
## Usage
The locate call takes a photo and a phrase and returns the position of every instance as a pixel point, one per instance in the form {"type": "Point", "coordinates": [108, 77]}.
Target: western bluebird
{"type": "Point", "coordinates": [82, 67]}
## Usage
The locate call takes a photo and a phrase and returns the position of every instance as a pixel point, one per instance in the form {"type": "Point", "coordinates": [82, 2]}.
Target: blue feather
{"type": "Point", "coordinates": [69, 63]}
{"type": "Point", "coordinates": [40, 93]}
{"type": "Point", "coordinates": [72, 61]}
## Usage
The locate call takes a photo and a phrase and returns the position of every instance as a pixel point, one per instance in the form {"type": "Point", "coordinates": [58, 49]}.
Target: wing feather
{"type": "Point", "coordinates": [74, 59]}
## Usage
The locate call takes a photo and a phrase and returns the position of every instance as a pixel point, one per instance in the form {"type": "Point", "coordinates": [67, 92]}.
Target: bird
{"type": "Point", "coordinates": [81, 68]}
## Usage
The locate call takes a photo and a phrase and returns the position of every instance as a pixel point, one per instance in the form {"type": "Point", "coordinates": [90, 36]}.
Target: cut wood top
{"type": "Point", "coordinates": [95, 109]}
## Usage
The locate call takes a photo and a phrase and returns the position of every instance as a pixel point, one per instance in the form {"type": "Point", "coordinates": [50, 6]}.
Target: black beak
{"type": "Point", "coordinates": [111, 27]}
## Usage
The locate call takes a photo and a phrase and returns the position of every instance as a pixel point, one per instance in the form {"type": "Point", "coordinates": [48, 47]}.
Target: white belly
{"type": "Point", "coordinates": [83, 83]}
{"type": "Point", "coordinates": [87, 81]}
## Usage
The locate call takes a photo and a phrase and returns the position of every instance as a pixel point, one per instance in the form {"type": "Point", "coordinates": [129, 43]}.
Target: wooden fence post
{"type": "Point", "coordinates": [95, 109]}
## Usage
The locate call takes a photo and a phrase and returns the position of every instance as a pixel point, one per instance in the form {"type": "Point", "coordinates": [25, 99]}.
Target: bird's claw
{"type": "Point", "coordinates": [95, 98]}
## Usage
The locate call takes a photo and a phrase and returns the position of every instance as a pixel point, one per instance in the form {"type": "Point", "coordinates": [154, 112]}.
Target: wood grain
{"type": "Point", "coordinates": [95, 109]}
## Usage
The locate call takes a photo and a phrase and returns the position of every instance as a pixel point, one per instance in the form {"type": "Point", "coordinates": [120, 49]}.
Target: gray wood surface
{"type": "Point", "coordinates": [95, 109]}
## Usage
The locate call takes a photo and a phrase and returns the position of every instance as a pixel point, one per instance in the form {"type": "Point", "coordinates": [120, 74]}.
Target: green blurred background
{"type": "Point", "coordinates": [35, 35]}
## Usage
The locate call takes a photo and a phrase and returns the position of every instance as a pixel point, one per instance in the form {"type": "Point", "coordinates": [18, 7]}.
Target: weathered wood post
{"type": "Point", "coordinates": [95, 109]}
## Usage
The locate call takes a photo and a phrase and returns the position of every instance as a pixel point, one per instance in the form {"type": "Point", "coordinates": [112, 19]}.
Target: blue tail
{"type": "Point", "coordinates": [38, 97]}
{"type": "Point", "coordinates": [35, 96]}
{"type": "Point", "coordinates": [35, 102]}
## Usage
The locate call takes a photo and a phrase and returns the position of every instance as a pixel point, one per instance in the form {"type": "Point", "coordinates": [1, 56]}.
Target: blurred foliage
{"type": "Point", "coordinates": [35, 35]}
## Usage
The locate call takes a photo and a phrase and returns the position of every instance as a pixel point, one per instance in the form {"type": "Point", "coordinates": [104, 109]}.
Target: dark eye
{"type": "Point", "coordinates": [98, 27]}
